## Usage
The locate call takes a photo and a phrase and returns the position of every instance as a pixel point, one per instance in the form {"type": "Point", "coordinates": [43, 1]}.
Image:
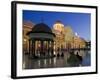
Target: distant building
{"type": "Point", "coordinates": [66, 38]}
{"type": "Point", "coordinates": [78, 42]}
{"type": "Point", "coordinates": [88, 44]}
{"type": "Point", "coordinates": [58, 30]}
{"type": "Point", "coordinates": [27, 26]}
{"type": "Point", "coordinates": [69, 34]}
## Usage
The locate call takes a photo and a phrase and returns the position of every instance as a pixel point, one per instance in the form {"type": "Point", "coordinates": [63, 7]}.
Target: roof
{"type": "Point", "coordinates": [28, 24]}
{"type": "Point", "coordinates": [41, 28]}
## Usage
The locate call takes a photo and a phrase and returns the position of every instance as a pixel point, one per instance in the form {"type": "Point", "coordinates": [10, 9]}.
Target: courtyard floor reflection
{"type": "Point", "coordinates": [57, 62]}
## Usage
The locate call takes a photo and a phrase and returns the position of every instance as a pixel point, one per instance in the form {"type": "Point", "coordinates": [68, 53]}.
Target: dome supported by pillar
{"type": "Point", "coordinates": [41, 43]}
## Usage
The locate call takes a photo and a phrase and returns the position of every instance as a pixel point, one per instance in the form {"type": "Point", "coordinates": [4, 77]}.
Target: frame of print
{"type": "Point", "coordinates": [51, 39]}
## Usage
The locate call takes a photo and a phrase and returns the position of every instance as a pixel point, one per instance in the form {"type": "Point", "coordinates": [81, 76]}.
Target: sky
{"type": "Point", "coordinates": [79, 22]}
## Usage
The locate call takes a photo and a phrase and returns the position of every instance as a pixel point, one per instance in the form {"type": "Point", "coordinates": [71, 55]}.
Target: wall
{"type": "Point", "coordinates": [5, 40]}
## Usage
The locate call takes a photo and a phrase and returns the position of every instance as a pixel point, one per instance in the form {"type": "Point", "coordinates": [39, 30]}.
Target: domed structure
{"type": "Point", "coordinates": [58, 27]}
{"type": "Point", "coordinates": [41, 40]}
{"type": "Point", "coordinates": [41, 27]}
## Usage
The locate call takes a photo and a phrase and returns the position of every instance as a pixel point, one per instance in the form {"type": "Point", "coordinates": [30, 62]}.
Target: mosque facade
{"type": "Point", "coordinates": [65, 38]}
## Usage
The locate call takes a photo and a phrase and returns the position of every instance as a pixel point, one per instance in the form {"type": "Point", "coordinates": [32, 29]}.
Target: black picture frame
{"type": "Point", "coordinates": [14, 38]}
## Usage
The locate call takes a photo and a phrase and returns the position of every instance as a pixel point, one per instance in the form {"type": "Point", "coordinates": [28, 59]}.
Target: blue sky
{"type": "Point", "coordinates": [79, 22]}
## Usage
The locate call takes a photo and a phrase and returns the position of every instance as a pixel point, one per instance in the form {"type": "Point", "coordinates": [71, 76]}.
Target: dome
{"type": "Point", "coordinates": [41, 27]}
{"type": "Point", "coordinates": [58, 26]}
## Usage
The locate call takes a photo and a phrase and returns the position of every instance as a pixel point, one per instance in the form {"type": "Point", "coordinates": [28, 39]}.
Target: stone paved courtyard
{"type": "Point", "coordinates": [29, 63]}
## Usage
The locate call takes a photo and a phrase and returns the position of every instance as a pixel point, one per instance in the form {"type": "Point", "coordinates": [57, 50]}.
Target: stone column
{"type": "Point", "coordinates": [29, 47]}
{"type": "Point", "coordinates": [34, 48]}
{"type": "Point", "coordinates": [41, 51]}
{"type": "Point", "coordinates": [49, 49]}
{"type": "Point", "coordinates": [52, 48]}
